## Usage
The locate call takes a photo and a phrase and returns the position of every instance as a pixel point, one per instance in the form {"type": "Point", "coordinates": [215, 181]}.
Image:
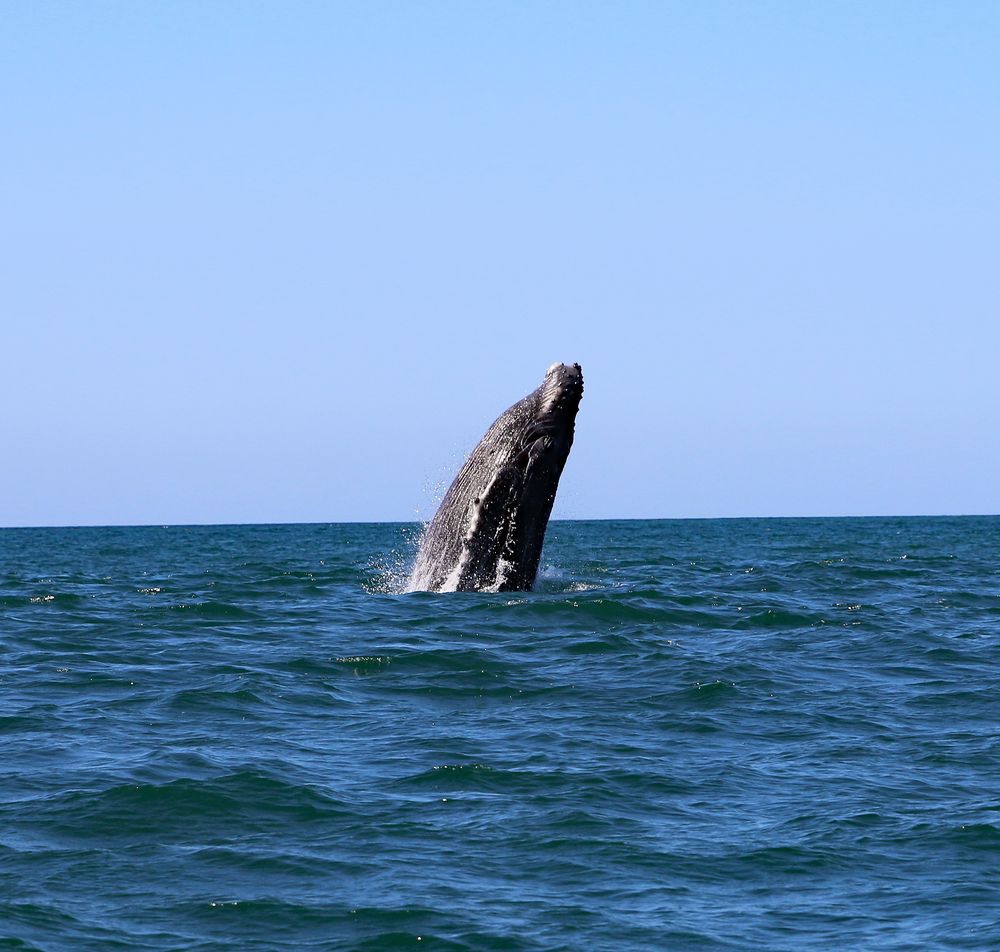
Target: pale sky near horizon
{"type": "Point", "coordinates": [276, 262]}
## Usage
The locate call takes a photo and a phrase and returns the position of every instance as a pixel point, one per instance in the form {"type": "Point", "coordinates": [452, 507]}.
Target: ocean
{"type": "Point", "coordinates": [695, 734]}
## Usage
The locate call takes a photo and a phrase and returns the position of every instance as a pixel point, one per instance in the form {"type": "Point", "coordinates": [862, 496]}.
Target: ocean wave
{"type": "Point", "coordinates": [694, 734]}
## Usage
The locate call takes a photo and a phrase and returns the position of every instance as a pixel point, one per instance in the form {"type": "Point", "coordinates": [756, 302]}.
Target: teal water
{"type": "Point", "coordinates": [733, 734]}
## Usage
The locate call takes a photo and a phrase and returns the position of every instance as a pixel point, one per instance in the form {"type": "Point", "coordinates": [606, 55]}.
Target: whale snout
{"type": "Point", "coordinates": [564, 370]}
{"type": "Point", "coordinates": [561, 389]}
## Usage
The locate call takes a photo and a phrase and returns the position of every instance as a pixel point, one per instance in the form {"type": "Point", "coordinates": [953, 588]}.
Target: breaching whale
{"type": "Point", "coordinates": [487, 533]}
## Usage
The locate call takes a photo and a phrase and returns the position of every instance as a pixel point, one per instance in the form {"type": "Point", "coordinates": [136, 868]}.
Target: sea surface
{"type": "Point", "coordinates": [697, 734]}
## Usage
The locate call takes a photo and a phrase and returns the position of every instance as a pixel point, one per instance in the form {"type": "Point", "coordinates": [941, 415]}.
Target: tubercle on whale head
{"type": "Point", "coordinates": [565, 374]}
{"type": "Point", "coordinates": [560, 391]}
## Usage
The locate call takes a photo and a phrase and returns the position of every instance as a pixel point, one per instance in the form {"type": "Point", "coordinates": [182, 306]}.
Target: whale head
{"type": "Point", "coordinates": [547, 437]}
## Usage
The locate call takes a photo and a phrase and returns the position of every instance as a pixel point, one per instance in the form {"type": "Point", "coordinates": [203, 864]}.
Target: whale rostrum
{"type": "Point", "coordinates": [487, 533]}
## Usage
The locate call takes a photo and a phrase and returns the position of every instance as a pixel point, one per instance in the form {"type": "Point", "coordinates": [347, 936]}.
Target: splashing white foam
{"type": "Point", "coordinates": [392, 570]}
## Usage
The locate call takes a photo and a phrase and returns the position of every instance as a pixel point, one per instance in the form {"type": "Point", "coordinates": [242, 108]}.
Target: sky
{"type": "Point", "coordinates": [285, 262]}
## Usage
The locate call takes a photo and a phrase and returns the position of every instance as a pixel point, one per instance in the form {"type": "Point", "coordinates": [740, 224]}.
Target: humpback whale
{"type": "Point", "coordinates": [487, 533]}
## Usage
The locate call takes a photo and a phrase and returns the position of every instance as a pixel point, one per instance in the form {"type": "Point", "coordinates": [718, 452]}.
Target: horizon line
{"type": "Point", "coordinates": [411, 522]}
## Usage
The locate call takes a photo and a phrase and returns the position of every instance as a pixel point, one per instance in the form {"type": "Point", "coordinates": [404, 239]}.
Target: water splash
{"type": "Point", "coordinates": [391, 571]}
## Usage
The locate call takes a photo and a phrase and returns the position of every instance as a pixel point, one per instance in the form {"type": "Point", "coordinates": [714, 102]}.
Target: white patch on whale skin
{"type": "Point", "coordinates": [503, 571]}
{"type": "Point", "coordinates": [450, 584]}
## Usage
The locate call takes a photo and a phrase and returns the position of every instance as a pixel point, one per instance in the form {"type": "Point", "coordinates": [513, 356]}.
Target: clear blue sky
{"type": "Point", "coordinates": [285, 261]}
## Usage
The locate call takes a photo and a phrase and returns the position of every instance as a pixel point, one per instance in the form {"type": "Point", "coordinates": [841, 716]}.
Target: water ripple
{"type": "Point", "coordinates": [694, 735]}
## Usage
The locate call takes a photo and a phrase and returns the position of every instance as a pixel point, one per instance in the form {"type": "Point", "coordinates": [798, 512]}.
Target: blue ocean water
{"type": "Point", "coordinates": [731, 734]}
